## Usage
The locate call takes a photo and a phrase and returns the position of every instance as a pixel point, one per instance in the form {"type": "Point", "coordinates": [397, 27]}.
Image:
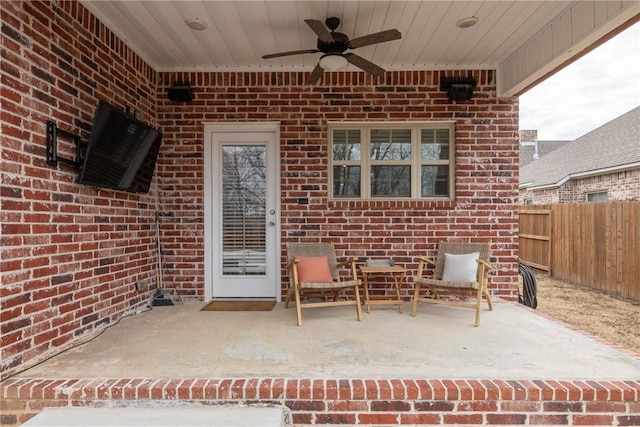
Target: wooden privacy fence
{"type": "Point", "coordinates": [591, 244]}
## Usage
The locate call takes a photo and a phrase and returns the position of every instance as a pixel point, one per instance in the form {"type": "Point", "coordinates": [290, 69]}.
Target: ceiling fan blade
{"type": "Point", "coordinates": [320, 29]}
{"type": "Point", "coordinates": [293, 52]}
{"type": "Point", "coordinates": [364, 64]}
{"type": "Point", "coordinates": [315, 75]}
{"type": "Point", "coordinates": [381, 37]}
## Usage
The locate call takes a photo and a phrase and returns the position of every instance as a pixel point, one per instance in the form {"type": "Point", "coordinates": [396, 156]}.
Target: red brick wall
{"type": "Point", "coordinates": [70, 254]}
{"type": "Point", "coordinates": [350, 401]}
{"type": "Point", "coordinates": [486, 155]}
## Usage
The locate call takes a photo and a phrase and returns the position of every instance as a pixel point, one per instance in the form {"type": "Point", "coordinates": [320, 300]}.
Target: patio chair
{"type": "Point", "coordinates": [314, 276]}
{"type": "Point", "coordinates": [460, 270]}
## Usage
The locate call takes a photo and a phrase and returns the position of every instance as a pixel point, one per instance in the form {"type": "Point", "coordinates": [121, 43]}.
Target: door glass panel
{"type": "Point", "coordinates": [244, 210]}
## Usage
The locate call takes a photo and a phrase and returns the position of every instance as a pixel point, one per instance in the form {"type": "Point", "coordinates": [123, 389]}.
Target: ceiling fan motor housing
{"type": "Point", "coordinates": [339, 44]}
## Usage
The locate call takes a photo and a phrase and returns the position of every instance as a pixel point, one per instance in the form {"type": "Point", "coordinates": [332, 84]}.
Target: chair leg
{"type": "Point", "coordinates": [358, 307]}
{"type": "Point", "coordinates": [286, 301]}
{"type": "Point", "coordinates": [414, 303]}
{"type": "Point", "coordinates": [488, 296]}
{"type": "Point", "coordinates": [478, 305]}
{"type": "Point", "coordinates": [298, 307]}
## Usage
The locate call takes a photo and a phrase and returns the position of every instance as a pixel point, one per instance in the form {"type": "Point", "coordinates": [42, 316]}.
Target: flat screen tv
{"type": "Point", "coordinates": [121, 153]}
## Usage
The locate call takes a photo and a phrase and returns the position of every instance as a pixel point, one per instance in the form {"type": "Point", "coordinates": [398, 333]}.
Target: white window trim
{"type": "Point", "coordinates": [416, 161]}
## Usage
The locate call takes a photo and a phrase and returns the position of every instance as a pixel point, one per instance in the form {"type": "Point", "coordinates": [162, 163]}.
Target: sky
{"type": "Point", "coordinates": [595, 89]}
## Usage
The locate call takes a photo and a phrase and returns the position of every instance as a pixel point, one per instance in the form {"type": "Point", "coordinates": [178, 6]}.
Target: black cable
{"type": "Point", "coordinates": [529, 288]}
{"type": "Point", "coordinates": [149, 308]}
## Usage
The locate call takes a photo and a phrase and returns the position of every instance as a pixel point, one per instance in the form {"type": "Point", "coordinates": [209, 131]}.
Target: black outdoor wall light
{"type": "Point", "coordinates": [458, 88]}
{"type": "Point", "coordinates": [180, 92]}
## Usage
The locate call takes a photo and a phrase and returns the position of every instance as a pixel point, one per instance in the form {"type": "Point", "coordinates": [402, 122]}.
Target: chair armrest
{"type": "Point", "coordinates": [487, 266]}
{"type": "Point", "coordinates": [429, 261]}
{"type": "Point", "coordinates": [351, 262]}
{"type": "Point", "coordinates": [290, 263]}
{"type": "Point", "coordinates": [421, 264]}
{"type": "Point", "coordinates": [483, 268]}
{"type": "Point", "coordinates": [346, 262]}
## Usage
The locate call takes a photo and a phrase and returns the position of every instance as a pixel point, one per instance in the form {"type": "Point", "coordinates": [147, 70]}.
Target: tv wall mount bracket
{"type": "Point", "coordinates": [52, 146]}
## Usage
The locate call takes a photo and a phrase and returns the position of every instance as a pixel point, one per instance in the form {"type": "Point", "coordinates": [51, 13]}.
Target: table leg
{"type": "Point", "coordinates": [398, 280]}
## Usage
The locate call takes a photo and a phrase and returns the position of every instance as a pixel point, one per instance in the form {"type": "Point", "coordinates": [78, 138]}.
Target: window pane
{"type": "Point", "coordinates": [597, 197]}
{"type": "Point", "coordinates": [346, 144]}
{"type": "Point", "coordinates": [390, 181]}
{"type": "Point", "coordinates": [391, 144]}
{"type": "Point", "coordinates": [346, 181]}
{"type": "Point", "coordinates": [434, 144]}
{"type": "Point", "coordinates": [435, 181]}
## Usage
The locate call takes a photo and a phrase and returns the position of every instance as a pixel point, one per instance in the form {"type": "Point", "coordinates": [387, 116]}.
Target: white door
{"type": "Point", "coordinates": [242, 244]}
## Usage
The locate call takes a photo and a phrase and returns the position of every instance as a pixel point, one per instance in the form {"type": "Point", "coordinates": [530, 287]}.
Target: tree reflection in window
{"type": "Point", "coordinates": [390, 146]}
{"type": "Point", "coordinates": [347, 150]}
{"type": "Point", "coordinates": [434, 150]}
{"type": "Point", "coordinates": [244, 209]}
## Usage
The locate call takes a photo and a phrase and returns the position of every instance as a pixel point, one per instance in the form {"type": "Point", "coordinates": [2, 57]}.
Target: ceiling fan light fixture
{"type": "Point", "coordinates": [467, 22]}
{"type": "Point", "coordinates": [196, 24]}
{"type": "Point", "coordinates": [333, 62]}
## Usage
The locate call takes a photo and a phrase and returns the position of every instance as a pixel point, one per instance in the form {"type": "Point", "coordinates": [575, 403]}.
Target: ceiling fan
{"type": "Point", "coordinates": [333, 45]}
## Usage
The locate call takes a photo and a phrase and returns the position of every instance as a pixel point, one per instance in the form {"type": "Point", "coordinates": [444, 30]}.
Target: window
{"type": "Point", "coordinates": [391, 160]}
{"type": "Point", "coordinates": [600, 196]}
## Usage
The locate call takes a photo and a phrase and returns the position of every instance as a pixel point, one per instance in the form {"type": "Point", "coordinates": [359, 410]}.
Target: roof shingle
{"type": "Point", "coordinates": [612, 145]}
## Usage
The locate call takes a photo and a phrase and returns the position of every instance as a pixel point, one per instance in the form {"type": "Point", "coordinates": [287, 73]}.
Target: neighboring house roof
{"type": "Point", "coordinates": [527, 150]}
{"type": "Point", "coordinates": [613, 146]}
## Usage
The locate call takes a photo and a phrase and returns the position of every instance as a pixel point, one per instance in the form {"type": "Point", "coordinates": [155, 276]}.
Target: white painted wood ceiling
{"type": "Point", "coordinates": [514, 35]}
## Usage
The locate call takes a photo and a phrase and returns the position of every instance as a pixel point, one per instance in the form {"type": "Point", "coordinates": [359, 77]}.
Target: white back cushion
{"type": "Point", "coordinates": [460, 268]}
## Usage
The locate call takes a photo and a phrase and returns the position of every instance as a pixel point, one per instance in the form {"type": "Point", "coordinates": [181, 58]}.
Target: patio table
{"type": "Point", "coordinates": [396, 271]}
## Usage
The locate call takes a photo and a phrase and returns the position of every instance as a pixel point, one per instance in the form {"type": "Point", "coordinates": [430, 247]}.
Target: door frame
{"type": "Point", "coordinates": [210, 212]}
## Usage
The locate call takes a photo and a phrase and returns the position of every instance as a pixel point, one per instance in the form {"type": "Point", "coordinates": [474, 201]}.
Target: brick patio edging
{"type": "Point", "coordinates": [350, 401]}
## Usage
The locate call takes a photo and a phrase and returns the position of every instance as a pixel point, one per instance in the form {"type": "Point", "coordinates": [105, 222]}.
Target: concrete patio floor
{"type": "Point", "coordinates": [181, 341]}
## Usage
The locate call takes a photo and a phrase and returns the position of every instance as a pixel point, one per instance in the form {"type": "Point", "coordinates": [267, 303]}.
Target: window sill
{"type": "Point", "coordinates": [429, 204]}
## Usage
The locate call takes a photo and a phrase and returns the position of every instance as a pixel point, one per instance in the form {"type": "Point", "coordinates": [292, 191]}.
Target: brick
{"type": "Point", "coordinates": [434, 406]}
{"type": "Point", "coordinates": [548, 419]}
{"type": "Point", "coordinates": [419, 419]}
{"type": "Point", "coordinates": [628, 420]}
{"type": "Point", "coordinates": [605, 407]}
{"type": "Point", "coordinates": [520, 406]}
{"type": "Point", "coordinates": [592, 420]}
{"type": "Point", "coordinates": [390, 406]}
{"type": "Point", "coordinates": [478, 406]}
{"type": "Point", "coordinates": [348, 406]}
{"type": "Point", "coordinates": [513, 419]}
{"type": "Point", "coordinates": [463, 419]}
{"type": "Point", "coordinates": [335, 418]}
{"type": "Point", "coordinates": [306, 405]}
{"type": "Point", "coordinates": [563, 407]}
{"type": "Point", "coordinates": [373, 419]}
